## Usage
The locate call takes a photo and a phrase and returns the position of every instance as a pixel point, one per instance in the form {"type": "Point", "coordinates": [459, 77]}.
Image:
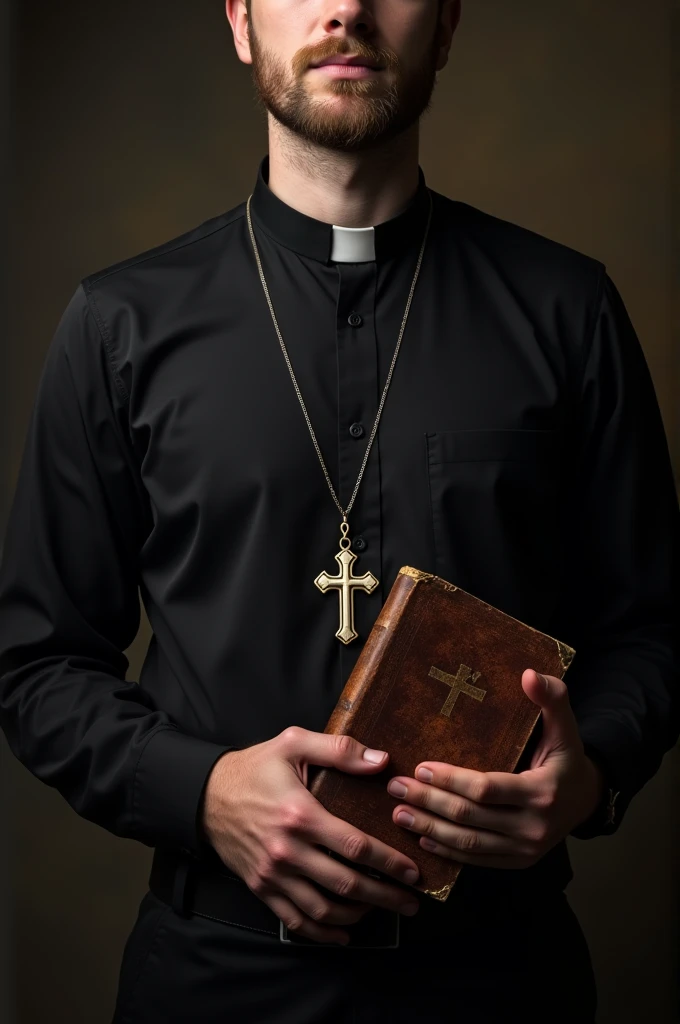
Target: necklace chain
{"type": "Point", "coordinates": [343, 512]}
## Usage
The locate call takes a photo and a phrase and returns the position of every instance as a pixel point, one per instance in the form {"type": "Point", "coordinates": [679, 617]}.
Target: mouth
{"type": "Point", "coordinates": [341, 61]}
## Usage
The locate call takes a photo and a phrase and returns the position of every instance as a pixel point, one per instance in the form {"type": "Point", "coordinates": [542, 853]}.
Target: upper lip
{"type": "Point", "coordinates": [342, 59]}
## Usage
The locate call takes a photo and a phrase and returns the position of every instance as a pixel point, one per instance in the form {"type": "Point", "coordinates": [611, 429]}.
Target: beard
{"type": "Point", "coordinates": [369, 115]}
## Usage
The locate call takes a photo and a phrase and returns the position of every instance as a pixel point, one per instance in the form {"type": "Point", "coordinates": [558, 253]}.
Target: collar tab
{"type": "Point", "coordinates": [352, 245]}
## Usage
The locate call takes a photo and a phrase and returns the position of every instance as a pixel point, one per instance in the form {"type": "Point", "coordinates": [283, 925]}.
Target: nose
{"type": "Point", "coordinates": [354, 16]}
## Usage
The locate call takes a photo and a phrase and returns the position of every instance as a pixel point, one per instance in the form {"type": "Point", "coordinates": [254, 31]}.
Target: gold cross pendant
{"type": "Point", "coordinates": [346, 584]}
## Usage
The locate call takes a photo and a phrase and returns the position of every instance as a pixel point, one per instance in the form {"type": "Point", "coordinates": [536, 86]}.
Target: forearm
{"type": "Point", "coordinates": [99, 741]}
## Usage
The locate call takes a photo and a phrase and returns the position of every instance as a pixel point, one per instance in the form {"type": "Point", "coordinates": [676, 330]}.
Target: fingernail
{"type": "Point", "coordinates": [424, 774]}
{"type": "Point", "coordinates": [397, 789]}
{"type": "Point", "coordinates": [374, 756]}
{"type": "Point", "coordinates": [411, 875]}
{"type": "Point", "coordinates": [404, 818]}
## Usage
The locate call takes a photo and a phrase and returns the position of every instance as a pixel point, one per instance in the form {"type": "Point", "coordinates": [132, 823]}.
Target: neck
{"type": "Point", "coordinates": [351, 190]}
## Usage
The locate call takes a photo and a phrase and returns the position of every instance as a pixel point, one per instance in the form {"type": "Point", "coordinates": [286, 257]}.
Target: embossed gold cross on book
{"type": "Point", "coordinates": [438, 679]}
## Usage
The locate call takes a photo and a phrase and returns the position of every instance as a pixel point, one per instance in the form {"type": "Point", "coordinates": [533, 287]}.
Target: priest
{"type": "Point", "coordinates": [348, 369]}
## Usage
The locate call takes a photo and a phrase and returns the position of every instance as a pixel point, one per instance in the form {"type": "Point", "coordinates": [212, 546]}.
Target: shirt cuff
{"type": "Point", "coordinates": [171, 776]}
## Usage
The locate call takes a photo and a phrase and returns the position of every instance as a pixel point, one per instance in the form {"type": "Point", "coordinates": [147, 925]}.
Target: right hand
{"type": "Point", "coordinates": [268, 829]}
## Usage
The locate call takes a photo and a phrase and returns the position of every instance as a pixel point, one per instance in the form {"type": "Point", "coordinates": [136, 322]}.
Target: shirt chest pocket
{"type": "Point", "coordinates": [496, 511]}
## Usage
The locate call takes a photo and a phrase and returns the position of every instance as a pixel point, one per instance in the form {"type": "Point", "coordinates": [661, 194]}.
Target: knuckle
{"type": "Point", "coordinates": [279, 852]}
{"type": "Point", "coordinates": [547, 798]}
{"type": "Point", "coordinates": [538, 833]}
{"type": "Point", "coordinates": [291, 735]}
{"type": "Point", "coordinates": [355, 845]}
{"type": "Point", "coordinates": [422, 798]}
{"type": "Point", "coordinates": [460, 811]}
{"type": "Point", "coordinates": [342, 744]}
{"type": "Point", "coordinates": [346, 885]}
{"type": "Point", "coordinates": [469, 841]}
{"type": "Point", "coordinates": [391, 865]}
{"type": "Point", "coordinates": [319, 912]}
{"type": "Point", "coordinates": [427, 828]}
{"type": "Point", "coordinates": [293, 816]}
{"type": "Point", "coordinates": [259, 883]}
{"type": "Point", "coordinates": [482, 789]}
{"type": "Point", "coordinates": [293, 923]}
{"type": "Point", "coordinates": [266, 872]}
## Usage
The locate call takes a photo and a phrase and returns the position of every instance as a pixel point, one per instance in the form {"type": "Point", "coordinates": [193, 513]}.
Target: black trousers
{"type": "Point", "coordinates": [525, 960]}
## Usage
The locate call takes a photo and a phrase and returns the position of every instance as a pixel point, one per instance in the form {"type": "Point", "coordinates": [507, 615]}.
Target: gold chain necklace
{"type": "Point", "coordinates": [345, 583]}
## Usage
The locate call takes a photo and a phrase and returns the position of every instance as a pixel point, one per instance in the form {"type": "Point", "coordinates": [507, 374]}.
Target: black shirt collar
{"type": "Point", "coordinates": [314, 238]}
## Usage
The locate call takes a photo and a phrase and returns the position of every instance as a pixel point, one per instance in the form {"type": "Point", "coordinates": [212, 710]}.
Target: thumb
{"type": "Point", "coordinates": [551, 694]}
{"type": "Point", "coordinates": [335, 750]}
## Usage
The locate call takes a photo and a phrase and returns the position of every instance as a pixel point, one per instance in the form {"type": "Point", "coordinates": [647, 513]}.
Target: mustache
{"type": "Point", "coordinates": [345, 47]}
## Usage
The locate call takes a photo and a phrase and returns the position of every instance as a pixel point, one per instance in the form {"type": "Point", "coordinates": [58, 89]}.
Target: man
{"type": "Point", "coordinates": [206, 422]}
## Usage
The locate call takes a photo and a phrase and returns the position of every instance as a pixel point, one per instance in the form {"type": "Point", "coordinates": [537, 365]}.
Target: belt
{"type": "Point", "coordinates": [191, 886]}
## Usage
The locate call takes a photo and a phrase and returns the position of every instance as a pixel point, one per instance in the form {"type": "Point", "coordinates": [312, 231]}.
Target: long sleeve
{"type": "Point", "coordinates": [69, 607]}
{"type": "Point", "coordinates": [623, 591]}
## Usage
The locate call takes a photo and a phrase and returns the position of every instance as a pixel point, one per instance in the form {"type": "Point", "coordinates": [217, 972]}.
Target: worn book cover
{"type": "Point", "coordinates": [438, 679]}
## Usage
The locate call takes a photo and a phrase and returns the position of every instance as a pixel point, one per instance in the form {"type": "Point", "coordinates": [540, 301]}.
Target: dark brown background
{"type": "Point", "coordinates": [133, 121]}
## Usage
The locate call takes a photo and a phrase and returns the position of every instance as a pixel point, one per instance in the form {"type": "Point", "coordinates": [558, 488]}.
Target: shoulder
{"type": "Point", "coordinates": [153, 284]}
{"type": "Point", "coordinates": [536, 264]}
{"type": "Point", "coordinates": [187, 249]}
{"type": "Point", "coordinates": [157, 292]}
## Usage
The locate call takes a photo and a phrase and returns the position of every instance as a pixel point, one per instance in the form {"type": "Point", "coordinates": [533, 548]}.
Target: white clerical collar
{"type": "Point", "coordinates": [352, 245]}
{"type": "Point", "coordinates": [316, 238]}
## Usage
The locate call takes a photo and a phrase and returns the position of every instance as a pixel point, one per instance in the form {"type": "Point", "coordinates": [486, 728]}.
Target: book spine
{"type": "Point", "coordinates": [366, 667]}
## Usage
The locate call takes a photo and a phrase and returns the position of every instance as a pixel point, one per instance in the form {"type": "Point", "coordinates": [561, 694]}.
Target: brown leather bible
{"type": "Point", "coordinates": [438, 679]}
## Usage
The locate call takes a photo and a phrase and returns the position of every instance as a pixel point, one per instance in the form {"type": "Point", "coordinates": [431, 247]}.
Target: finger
{"type": "Point", "coordinates": [474, 842]}
{"type": "Point", "coordinates": [516, 790]}
{"type": "Point", "coordinates": [355, 884]}
{"type": "Point", "coordinates": [509, 861]}
{"type": "Point", "coordinates": [319, 906]}
{"type": "Point", "coordinates": [460, 809]}
{"type": "Point", "coordinates": [330, 750]}
{"type": "Point", "coordinates": [359, 847]}
{"type": "Point", "coordinates": [300, 923]}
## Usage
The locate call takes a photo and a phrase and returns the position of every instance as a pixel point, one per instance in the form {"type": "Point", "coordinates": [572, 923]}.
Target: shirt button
{"type": "Point", "coordinates": [359, 544]}
{"type": "Point", "coordinates": [357, 430]}
{"type": "Point", "coordinates": [355, 320]}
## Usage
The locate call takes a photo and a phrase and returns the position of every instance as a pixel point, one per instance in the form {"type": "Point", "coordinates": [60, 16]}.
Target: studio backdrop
{"type": "Point", "coordinates": [134, 121]}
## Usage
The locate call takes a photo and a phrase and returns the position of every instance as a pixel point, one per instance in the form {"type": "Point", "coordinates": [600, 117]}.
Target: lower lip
{"type": "Point", "coordinates": [347, 70]}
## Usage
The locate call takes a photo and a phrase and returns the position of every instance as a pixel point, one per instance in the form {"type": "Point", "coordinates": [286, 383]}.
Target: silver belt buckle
{"type": "Point", "coordinates": [383, 926]}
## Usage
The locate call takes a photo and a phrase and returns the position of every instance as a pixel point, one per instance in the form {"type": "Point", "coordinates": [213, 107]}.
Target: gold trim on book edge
{"type": "Point", "coordinates": [418, 574]}
{"type": "Point", "coordinates": [439, 894]}
{"type": "Point", "coordinates": [566, 654]}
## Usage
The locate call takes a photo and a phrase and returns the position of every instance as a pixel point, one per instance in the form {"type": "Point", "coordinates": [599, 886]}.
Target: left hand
{"type": "Point", "coordinates": [506, 819]}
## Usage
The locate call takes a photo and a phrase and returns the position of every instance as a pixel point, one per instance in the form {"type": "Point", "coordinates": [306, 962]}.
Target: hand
{"type": "Point", "coordinates": [268, 828]}
{"type": "Point", "coordinates": [505, 819]}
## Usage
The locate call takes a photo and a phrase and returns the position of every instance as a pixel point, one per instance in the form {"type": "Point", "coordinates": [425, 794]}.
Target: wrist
{"type": "Point", "coordinates": [595, 787]}
{"type": "Point", "coordinates": [212, 802]}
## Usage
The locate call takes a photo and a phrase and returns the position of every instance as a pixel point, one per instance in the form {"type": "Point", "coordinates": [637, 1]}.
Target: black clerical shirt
{"type": "Point", "coordinates": [520, 455]}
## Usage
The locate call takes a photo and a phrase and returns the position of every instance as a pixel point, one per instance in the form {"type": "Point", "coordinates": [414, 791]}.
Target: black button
{"type": "Point", "coordinates": [355, 320]}
{"type": "Point", "coordinates": [359, 544]}
{"type": "Point", "coordinates": [357, 430]}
